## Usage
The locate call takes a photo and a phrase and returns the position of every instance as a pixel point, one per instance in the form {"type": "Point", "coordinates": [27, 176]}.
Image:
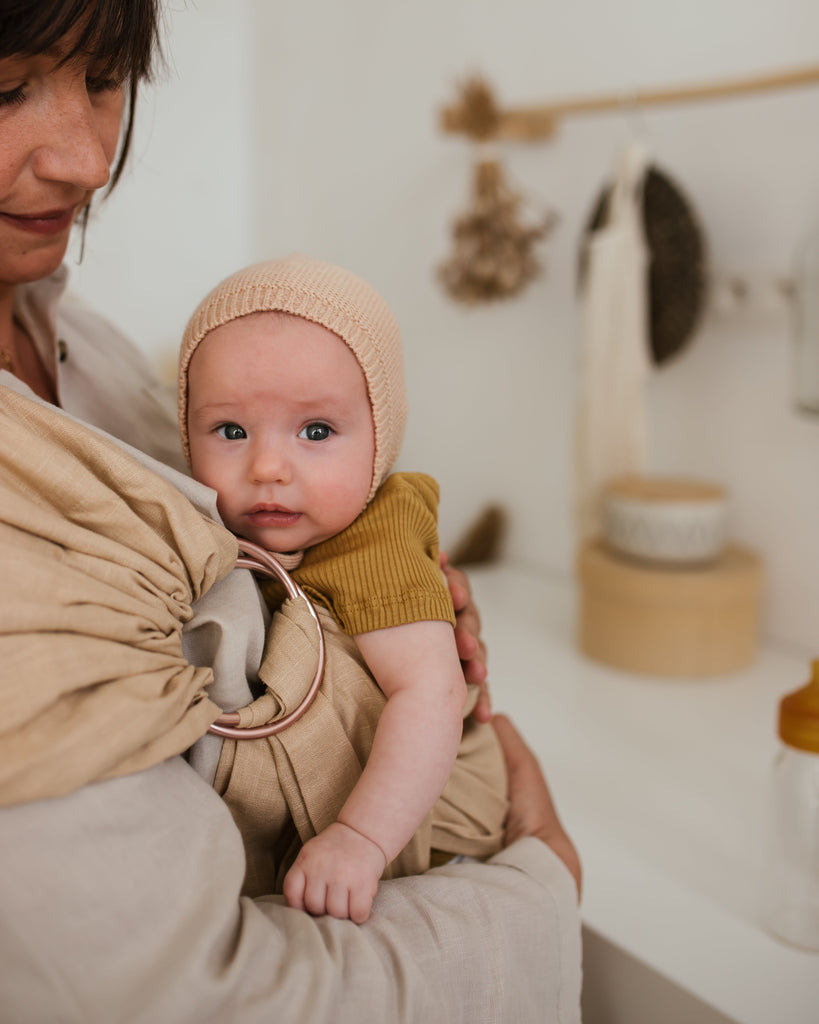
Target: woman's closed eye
{"type": "Point", "coordinates": [315, 432]}
{"type": "Point", "coordinates": [10, 97]}
{"type": "Point", "coordinates": [231, 432]}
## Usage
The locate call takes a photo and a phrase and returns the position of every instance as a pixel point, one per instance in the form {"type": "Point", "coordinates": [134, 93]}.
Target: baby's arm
{"type": "Point", "coordinates": [415, 745]}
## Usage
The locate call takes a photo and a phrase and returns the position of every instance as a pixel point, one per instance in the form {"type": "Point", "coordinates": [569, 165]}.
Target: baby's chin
{"type": "Point", "coordinates": [284, 542]}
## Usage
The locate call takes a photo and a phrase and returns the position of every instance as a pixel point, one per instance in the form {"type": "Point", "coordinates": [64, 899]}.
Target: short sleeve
{"type": "Point", "coordinates": [383, 570]}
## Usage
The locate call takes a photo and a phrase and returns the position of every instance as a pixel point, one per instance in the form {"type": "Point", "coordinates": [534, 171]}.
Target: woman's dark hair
{"type": "Point", "coordinates": [121, 36]}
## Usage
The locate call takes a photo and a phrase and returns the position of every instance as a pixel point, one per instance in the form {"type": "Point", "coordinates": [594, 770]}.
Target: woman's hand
{"type": "Point", "coordinates": [471, 649]}
{"type": "Point", "coordinates": [531, 808]}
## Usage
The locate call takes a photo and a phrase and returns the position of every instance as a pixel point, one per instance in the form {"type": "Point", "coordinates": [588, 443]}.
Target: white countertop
{"type": "Point", "coordinates": [662, 784]}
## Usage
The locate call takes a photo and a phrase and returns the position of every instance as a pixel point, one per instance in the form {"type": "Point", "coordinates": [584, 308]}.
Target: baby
{"type": "Point", "coordinates": [292, 408]}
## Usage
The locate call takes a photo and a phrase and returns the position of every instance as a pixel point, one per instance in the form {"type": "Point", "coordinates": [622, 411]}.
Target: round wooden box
{"type": "Point", "coordinates": [676, 621]}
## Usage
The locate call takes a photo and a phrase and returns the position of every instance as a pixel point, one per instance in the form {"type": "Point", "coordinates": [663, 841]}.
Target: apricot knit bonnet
{"type": "Point", "coordinates": [335, 299]}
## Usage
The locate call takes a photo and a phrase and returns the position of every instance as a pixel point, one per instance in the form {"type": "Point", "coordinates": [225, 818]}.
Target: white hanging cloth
{"type": "Point", "coordinates": [610, 419]}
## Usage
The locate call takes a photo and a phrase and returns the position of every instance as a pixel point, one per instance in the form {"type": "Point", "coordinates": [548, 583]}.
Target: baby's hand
{"type": "Point", "coordinates": [335, 873]}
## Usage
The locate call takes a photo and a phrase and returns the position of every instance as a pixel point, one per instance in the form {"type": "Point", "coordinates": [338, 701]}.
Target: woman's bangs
{"type": "Point", "coordinates": [120, 36]}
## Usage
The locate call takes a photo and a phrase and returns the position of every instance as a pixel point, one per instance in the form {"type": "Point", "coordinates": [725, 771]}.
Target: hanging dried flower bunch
{"type": "Point", "coordinates": [494, 256]}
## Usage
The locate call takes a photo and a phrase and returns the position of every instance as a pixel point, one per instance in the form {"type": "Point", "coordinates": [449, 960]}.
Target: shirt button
{"type": "Point", "coordinates": [62, 350]}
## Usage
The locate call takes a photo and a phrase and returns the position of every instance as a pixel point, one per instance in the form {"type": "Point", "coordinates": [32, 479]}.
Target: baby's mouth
{"type": "Point", "coordinates": [273, 515]}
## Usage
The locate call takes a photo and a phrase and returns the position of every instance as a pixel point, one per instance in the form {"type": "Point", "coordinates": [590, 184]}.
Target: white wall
{"type": "Point", "coordinates": [336, 151]}
{"type": "Point", "coordinates": [182, 215]}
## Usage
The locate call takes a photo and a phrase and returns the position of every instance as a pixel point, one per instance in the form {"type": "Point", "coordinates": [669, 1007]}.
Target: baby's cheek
{"type": "Point", "coordinates": [227, 512]}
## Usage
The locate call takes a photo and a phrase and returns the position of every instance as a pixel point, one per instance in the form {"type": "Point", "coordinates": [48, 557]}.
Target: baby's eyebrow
{"type": "Point", "coordinates": [214, 409]}
{"type": "Point", "coordinates": [332, 400]}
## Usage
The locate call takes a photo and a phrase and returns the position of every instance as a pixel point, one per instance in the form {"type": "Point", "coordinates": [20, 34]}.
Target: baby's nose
{"type": "Point", "coordinates": [270, 465]}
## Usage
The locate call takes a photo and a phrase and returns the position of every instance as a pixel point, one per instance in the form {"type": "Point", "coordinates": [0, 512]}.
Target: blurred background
{"type": "Point", "coordinates": [280, 125]}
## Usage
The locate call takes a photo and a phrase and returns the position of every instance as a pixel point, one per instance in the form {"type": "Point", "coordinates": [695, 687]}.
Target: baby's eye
{"type": "Point", "coordinates": [231, 432]}
{"type": "Point", "coordinates": [315, 432]}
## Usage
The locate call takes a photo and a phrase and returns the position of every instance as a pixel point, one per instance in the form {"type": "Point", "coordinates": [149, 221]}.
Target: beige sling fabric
{"type": "Point", "coordinates": [102, 559]}
{"type": "Point", "coordinates": [285, 789]}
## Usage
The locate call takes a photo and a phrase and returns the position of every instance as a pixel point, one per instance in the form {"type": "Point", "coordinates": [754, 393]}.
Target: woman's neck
{"type": "Point", "coordinates": [18, 354]}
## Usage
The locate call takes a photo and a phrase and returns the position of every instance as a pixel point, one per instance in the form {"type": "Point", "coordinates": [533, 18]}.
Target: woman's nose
{"type": "Point", "coordinates": [80, 139]}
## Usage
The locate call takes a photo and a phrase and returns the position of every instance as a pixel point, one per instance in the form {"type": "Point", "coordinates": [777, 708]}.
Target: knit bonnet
{"type": "Point", "coordinates": [335, 299]}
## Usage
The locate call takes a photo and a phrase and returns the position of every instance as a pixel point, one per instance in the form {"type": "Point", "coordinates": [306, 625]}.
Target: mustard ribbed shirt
{"type": "Point", "coordinates": [383, 569]}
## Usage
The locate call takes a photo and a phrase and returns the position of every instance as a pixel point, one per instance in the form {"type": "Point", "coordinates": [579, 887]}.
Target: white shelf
{"type": "Point", "coordinates": [663, 785]}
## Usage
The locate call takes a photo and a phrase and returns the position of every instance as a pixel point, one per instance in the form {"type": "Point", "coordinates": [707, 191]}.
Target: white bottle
{"type": "Point", "coordinates": [793, 897]}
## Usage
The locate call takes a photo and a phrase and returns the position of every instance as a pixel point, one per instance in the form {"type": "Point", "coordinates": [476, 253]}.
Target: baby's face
{"type": "Point", "coordinates": [281, 428]}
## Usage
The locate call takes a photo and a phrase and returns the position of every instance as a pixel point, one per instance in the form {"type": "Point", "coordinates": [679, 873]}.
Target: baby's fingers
{"type": "Point", "coordinates": [360, 902]}
{"type": "Point", "coordinates": [315, 896]}
{"type": "Point", "coordinates": [346, 899]}
{"type": "Point", "coordinates": [295, 883]}
{"type": "Point", "coordinates": [338, 901]}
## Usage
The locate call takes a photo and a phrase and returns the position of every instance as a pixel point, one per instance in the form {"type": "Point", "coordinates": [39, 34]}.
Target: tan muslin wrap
{"type": "Point", "coordinates": [285, 789]}
{"type": "Point", "coordinates": [101, 560]}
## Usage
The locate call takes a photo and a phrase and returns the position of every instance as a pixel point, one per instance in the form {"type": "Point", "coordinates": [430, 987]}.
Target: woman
{"type": "Point", "coordinates": [120, 886]}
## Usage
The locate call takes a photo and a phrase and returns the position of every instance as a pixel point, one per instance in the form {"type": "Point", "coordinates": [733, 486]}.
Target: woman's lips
{"type": "Point", "coordinates": [49, 222]}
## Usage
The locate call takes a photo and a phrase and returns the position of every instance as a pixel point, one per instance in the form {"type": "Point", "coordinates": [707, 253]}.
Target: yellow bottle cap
{"type": "Point", "coordinates": [799, 715]}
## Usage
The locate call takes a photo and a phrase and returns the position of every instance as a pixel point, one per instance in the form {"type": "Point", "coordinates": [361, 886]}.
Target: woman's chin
{"type": "Point", "coordinates": [35, 264]}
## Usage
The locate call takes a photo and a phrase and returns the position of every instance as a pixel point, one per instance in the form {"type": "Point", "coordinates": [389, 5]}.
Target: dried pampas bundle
{"type": "Point", "coordinates": [494, 254]}
{"type": "Point", "coordinates": [478, 111]}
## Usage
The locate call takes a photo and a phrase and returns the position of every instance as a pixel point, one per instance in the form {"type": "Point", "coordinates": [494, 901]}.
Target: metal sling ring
{"type": "Point", "coordinates": [251, 556]}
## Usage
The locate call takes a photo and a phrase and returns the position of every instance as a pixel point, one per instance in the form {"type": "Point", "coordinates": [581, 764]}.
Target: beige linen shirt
{"type": "Point", "coordinates": [121, 901]}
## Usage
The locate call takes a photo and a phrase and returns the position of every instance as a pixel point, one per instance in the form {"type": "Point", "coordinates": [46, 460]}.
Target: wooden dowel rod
{"type": "Point", "coordinates": [539, 121]}
{"type": "Point", "coordinates": [714, 90]}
